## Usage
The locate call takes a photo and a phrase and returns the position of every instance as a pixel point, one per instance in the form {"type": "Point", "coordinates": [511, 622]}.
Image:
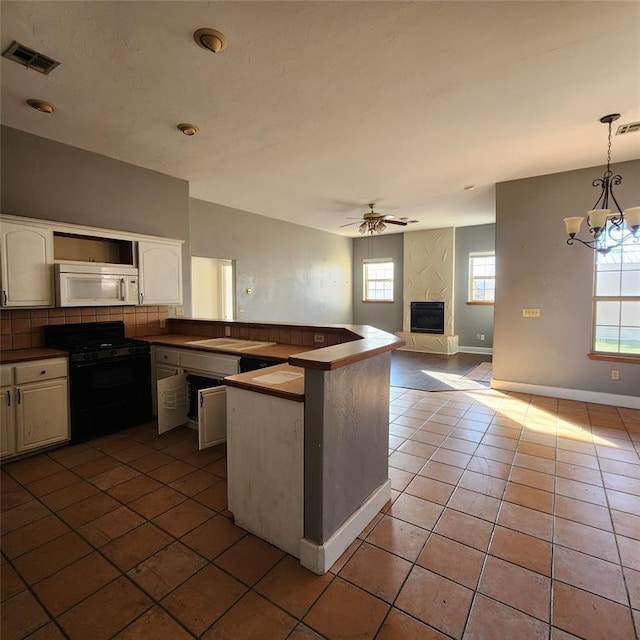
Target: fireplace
{"type": "Point", "coordinates": [427, 317]}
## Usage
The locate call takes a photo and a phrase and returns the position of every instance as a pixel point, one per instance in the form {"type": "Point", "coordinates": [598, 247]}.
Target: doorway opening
{"type": "Point", "coordinates": [213, 288]}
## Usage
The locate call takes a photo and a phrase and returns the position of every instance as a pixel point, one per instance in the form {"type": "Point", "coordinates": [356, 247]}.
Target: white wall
{"type": "Point", "coordinates": [536, 268]}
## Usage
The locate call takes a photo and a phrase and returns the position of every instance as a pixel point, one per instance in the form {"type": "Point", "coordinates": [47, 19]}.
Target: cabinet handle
{"type": "Point", "coordinates": [141, 297]}
{"type": "Point", "coordinates": [43, 372]}
{"type": "Point", "coordinates": [8, 398]}
{"type": "Point", "coordinates": [4, 298]}
{"type": "Point", "coordinates": [19, 397]}
{"type": "Point", "coordinates": [121, 288]}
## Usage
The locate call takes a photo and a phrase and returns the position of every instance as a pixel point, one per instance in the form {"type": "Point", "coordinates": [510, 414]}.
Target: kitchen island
{"type": "Point", "coordinates": [311, 448]}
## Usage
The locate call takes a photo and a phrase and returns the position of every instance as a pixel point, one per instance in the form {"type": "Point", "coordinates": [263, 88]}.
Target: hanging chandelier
{"type": "Point", "coordinates": [609, 228]}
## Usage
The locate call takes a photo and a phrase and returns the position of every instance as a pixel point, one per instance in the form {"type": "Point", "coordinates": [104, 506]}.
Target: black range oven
{"type": "Point", "coordinates": [109, 377]}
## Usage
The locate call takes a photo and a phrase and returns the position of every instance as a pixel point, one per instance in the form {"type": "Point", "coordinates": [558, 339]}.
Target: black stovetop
{"type": "Point", "coordinates": [88, 337]}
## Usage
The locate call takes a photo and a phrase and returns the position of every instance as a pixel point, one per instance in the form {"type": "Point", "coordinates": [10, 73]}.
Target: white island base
{"type": "Point", "coordinates": [265, 462]}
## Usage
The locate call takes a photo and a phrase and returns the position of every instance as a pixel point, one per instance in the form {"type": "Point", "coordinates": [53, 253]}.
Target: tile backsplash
{"type": "Point", "coordinates": [22, 328]}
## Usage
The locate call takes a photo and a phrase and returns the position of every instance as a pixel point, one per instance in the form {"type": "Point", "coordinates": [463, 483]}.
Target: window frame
{"type": "Point", "coordinates": [366, 279]}
{"type": "Point", "coordinates": [619, 355]}
{"type": "Point", "coordinates": [471, 277]}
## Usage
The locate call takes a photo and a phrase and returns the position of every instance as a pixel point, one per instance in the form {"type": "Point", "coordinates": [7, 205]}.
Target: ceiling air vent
{"type": "Point", "coordinates": [30, 58]}
{"type": "Point", "coordinates": [628, 128]}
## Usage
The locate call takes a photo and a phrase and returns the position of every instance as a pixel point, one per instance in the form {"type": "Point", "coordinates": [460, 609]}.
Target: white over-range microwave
{"type": "Point", "coordinates": [82, 285]}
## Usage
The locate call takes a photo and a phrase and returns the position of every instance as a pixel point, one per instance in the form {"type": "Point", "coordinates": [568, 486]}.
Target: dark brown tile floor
{"type": "Point", "coordinates": [513, 517]}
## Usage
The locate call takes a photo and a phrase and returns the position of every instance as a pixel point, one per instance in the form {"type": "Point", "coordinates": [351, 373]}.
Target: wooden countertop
{"type": "Point", "coordinates": [35, 353]}
{"type": "Point", "coordinates": [292, 389]}
{"type": "Point", "coordinates": [278, 353]}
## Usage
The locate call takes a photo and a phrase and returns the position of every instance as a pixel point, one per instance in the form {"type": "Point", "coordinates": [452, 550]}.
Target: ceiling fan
{"type": "Point", "coordinates": [375, 222]}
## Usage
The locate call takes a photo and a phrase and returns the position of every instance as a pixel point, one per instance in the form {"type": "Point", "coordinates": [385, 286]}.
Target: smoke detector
{"type": "Point", "coordinates": [210, 39]}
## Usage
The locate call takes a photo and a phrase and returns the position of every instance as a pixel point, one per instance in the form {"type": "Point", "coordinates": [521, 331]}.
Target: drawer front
{"type": "Point", "coordinates": [6, 375]}
{"type": "Point", "coordinates": [41, 370]}
{"type": "Point", "coordinates": [167, 356]}
{"type": "Point", "coordinates": [209, 363]}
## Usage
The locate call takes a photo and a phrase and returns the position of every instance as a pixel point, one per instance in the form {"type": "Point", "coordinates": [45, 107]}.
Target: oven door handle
{"type": "Point", "coordinates": [123, 360]}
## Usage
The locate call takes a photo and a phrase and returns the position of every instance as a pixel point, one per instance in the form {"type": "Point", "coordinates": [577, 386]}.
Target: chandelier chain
{"type": "Point", "coordinates": [609, 151]}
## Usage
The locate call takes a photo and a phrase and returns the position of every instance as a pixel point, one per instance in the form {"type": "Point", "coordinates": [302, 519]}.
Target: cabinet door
{"type": "Point", "coordinates": [42, 415]}
{"type": "Point", "coordinates": [160, 267]}
{"type": "Point", "coordinates": [7, 423]}
{"type": "Point", "coordinates": [26, 265]}
{"type": "Point", "coordinates": [212, 416]}
{"type": "Point", "coordinates": [173, 403]}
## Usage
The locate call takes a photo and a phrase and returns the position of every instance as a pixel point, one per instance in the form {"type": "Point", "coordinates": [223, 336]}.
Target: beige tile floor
{"type": "Point", "coordinates": [513, 517]}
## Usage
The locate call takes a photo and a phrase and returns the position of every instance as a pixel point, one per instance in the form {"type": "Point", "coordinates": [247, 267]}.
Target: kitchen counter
{"type": "Point", "coordinates": [35, 353]}
{"type": "Point", "coordinates": [282, 381]}
{"type": "Point", "coordinates": [278, 353]}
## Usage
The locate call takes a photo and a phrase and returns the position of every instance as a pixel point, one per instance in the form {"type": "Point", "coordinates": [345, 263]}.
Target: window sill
{"type": "Point", "coordinates": [481, 302]}
{"type": "Point", "coordinates": [615, 358]}
{"type": "Point", "coordinates": [378, 301]}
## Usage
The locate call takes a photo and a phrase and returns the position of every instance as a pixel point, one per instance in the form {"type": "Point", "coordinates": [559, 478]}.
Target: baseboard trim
{"type": "Point", "coordinates": [320, 558]}
{"type": "Point", "coordinates": [581, 395]}
{"type": "Point", "coordinates": [482, 350]}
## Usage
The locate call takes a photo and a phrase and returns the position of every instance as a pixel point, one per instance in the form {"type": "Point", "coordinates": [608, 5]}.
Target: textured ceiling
{"type": "Point", "coordinates": [317, 108]}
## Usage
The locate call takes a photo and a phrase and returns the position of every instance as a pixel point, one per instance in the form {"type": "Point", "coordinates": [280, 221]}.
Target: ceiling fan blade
{"type": "Point", "coordinates": [401, 223]}
{"type": "Point", "coordinates": [349, 223]}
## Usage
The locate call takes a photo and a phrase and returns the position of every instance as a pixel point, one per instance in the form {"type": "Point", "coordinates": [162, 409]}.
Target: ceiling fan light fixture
{"type": "Point", "coordinates": [210, 39]}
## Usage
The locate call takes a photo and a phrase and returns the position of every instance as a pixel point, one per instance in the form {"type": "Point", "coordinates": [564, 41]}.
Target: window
{"type": "Point", "coordinates": [482, 278]}
{"type": "Point", "coordinates": [378, 280]}
{"type": "Point", "coordinates": [617, 301]}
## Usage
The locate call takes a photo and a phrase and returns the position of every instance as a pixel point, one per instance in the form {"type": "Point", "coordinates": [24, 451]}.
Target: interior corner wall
{"type": "Point", "coordinates": [383, 315]}
{"type": "Point", "coordinates": [470, 319]}
{"type": "Point", "coordinates": [536, 269]}
{"type": "Point", "coordinates": [54, 181]}
{"type": "Point", "coordinates": [295, 274]}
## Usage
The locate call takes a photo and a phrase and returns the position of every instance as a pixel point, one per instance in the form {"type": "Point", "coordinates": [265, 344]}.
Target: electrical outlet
{"type": "Point", "coordinates": [531, 313]}
{"type": "Point", "coordinates": [482, 337]}
{"type": "Point", "coordinates": [227, 332]}
{"type": "Point", "coordinates": [318, 337]}
{"type": "Point", "coordinates": [615, 374]}
{"type": "Point", "coordinates": [179, 311]}
{"type": "Point", "coordinates": [163, 323]}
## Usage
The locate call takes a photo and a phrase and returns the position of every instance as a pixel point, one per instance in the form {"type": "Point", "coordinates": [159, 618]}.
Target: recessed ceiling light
{"type": "Point", "coordinates": [470, 187]}
{"type": "Point", "coordinates": [210, 39]}
{"type": "Point", "coordinates": [187, 129]}
{"type": "Point", "coordinates": [41, 105]}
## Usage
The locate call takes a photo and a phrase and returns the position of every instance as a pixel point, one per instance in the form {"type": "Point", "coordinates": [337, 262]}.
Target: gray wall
{"type": "Point", "coordinates": [53, 181]}
{"type": "Point", "coordinates": [386, 316]}
{"type": "Point", "coordinates": [472, 319]}
{"type": "Point", "coordinates": [346, 440]}
{"type": "Point", "coordinates": [537, 269]}
{"type": "Point", "coordinates": [297, 274]}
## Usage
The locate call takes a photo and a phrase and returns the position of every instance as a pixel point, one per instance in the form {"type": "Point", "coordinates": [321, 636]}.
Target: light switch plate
{"type": "Point", "coordinates": [531, 313]}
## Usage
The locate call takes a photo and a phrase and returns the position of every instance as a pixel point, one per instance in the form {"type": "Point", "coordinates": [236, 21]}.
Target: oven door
{"type": "Point", "coordinates": [109, 395]}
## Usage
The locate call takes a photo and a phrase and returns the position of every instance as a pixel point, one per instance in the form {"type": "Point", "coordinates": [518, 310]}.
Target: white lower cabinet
{"type": "Point", "coordinates": [265, 467]}
{"type": "Point", "coordinates": [185, 397]}
{"type": "Point", "coordinates": [35, 406]}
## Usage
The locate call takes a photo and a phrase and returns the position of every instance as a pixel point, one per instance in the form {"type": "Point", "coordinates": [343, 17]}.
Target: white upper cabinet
{"type": "Point", "coordinates": [26, 265]}
{"type": "Point", "coordinates": [160, 269]}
